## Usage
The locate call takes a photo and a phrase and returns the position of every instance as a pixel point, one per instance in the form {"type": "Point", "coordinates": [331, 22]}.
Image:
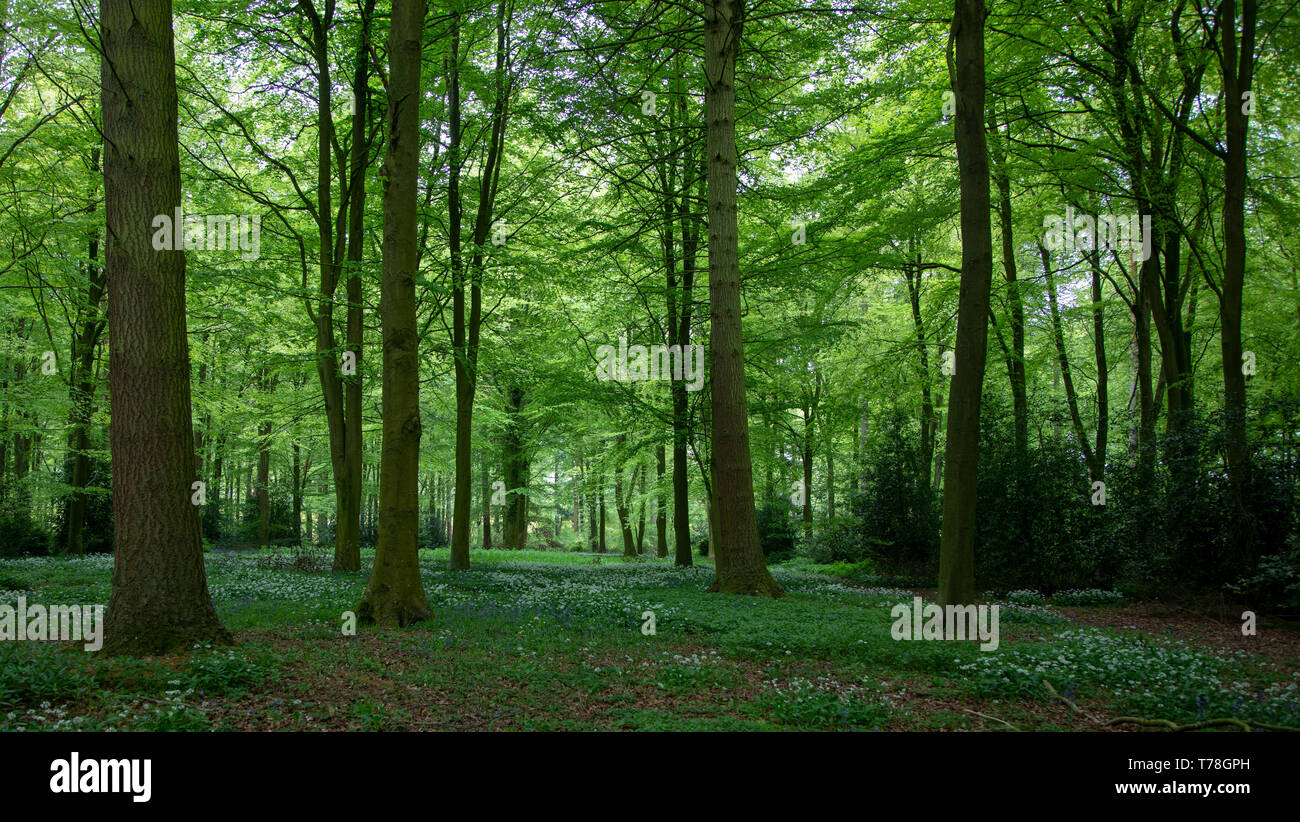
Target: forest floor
{"type": "Point", "coordinates": [552, 641]}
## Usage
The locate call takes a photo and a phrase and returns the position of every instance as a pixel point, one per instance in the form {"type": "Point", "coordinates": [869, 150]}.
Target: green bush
{"type": "Point", "coordinates": [1275, 584]}
{"type": "Point", "coordinates": [898, 516]}
{"type": "Point", "coordinates": [838, 540]}
{"type": "Point", "coordinates": [862, 571]}
{"type": "Point", "coordinates": [776, 530]}
{"type": "Point", "coordinates": [20, 534]}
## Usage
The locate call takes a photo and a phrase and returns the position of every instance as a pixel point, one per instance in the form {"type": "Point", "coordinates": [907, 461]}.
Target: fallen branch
{"type": "Point", "coordinates": [994, 718]}
{"type": "Point", "coordinates": [1174, 726]}
{"type": "Point", "coordinates": [1168, 724]}
{"type": "Point", "coordinates": [1073, 706]}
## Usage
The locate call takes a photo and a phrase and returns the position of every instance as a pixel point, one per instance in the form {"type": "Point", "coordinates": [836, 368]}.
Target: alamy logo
{"type": "Point", "coordinates": [926, 620]}
{"type": "Point", "coordinates": [638, 363]}
{"type": "Point", "coordinates": [1106, 232]}
{"type": "Point", "coordinates": [75, 775]}
{"type": "Point", "coordinates": [64, 623]}
{"type": "Point", "coordinates": [213, 232]}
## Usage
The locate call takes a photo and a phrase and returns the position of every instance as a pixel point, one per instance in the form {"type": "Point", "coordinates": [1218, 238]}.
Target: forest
{"type": "Point", "coordinates": [645, 365]}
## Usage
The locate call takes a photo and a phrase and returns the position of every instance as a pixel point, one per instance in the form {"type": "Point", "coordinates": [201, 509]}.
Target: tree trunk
{"type": "Point", "coordinates": [460, 333]}
{"type": "Point", "coordinates": [912, 272]}
{"type": "Point", "coordinates": [1103, 370]}
{"type": "Point", "coordinates": [640, 528]}
{"type": "Point", "coordinates": [679, 333]}
{"type": "Point", "coordinates": [937, 483]}
{"type": "Point", "coordinates": [601, 546]}
{"type": "Point", "coordinates": [1237, 66]}
{"type": "Point", "coordinates": [517, 472]}
{"type": "Point", "coordinates": [661, 513]}
{"type": "Point", "coordinates": [263, 478]}
{"type": "Point", "coordinates": [738, 557]}
{"type": "Point", "coordinates": [22, 442]}
{"type": "Point", "coordinates": [465, 334]}
{"type": "Point", "coordinates": [830, 478]}
{"type": "Point", "coordinates": [576, 490]}
{"type": "Point", "coordinates": [262, 489]}
{"type": "Point", "coordinates": [807, 460]}
{"type": "Point", "coordinates": [1016, 306]}
{"type": "Point", "coordinates": [593, 541]}
{"type": "Point", "coordinates": [159, 601]}
{"type": "Point", "coordinates": [558, 510]}
{"type": "Point", "coordinates": [349, 557]}
{"type": "Point", "coordinates": [297, 494]}
{"type": "Point", "coordinates": [395, 595]}
{"type": "Point", "coordinates": [1146, 430]}
{"type": "Point", "coordinates": [859, 456]}
{"type": "Point", "coordinates": [221, 484]}
{"type": "Point", "coordinates": [620, 501]}
{"type": "Point", "coordinates": [347, 547]}
{"type": "Point", "coordinates": [957, 538]}
{"type": "Point", "coordinates": [1063, 360]}
{"type": "Point", "coordinates": [81, 380]}
{"type": "Point", "coordinates": [486, 490]}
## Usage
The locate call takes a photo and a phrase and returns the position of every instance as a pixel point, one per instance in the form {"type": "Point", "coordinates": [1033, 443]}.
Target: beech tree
{"type": "Point", "coordinates": [957, 537]}
{"type": "Point", "coordinates": [1237, 66]}
{"type": "Point", "coordinates": [159, 601]}
{"type": "Point", "coordinates": [466, 330]}
{"type": "Point", "coordinates": [86, 333]}
{"type": "Point", "coordinates": [395, 593]}
{"type": "Point", "coordinates": [738, 555]}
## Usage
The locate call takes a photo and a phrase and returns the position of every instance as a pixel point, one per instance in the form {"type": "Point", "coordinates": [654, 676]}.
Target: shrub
{"type": "Point", "coordinates": [838, 540]}
{"type": "Point", "coordinates": [20, 534]}
{"type": "Point", "coordinates": [863, 571]}
{"type": "Point", "coordinates": [898, 514]}
{"type": "Point", "coordinates": [544, 537]}
{"type": "Point", "coordinates": [775, 530]}
{"type": "Point", "coordinates": [1275, 584]}
{"type": "Point", "coordinates": [1037, 526]}
{"type": "Point", "coordinates": [97, 519]}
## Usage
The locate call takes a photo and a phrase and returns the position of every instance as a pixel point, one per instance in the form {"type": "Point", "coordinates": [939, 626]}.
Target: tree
{"type": "Point", "coordinates": [1015, 357]}
{"type": "Point", "coordinates": [395, 593]}
{"type": "Point", "coordinates": [738, 555]}
{"type": "Point", "coordinates": [347, 556]}
{"type": "Point", "coordinates": [661, 505]}
{"type": "Point", "coordinates": [342, 401]}
{"type": "Point", "coordinates": [81, 381]}
{"type": "Point", "coordinates": [465, 332]}
{"type": "Point", "coordinates": [1063, 363]}
{"type": "Point", "coordinates": [957, 537]}
{"type": "Point", "coordinates": [159, 600]}
{"type": "Point", "coordinates": [1237, 64]}
{"type": "Point", "coordinates": [621, 498]}
{"type": "Point", "coordinates": [517, 471]}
